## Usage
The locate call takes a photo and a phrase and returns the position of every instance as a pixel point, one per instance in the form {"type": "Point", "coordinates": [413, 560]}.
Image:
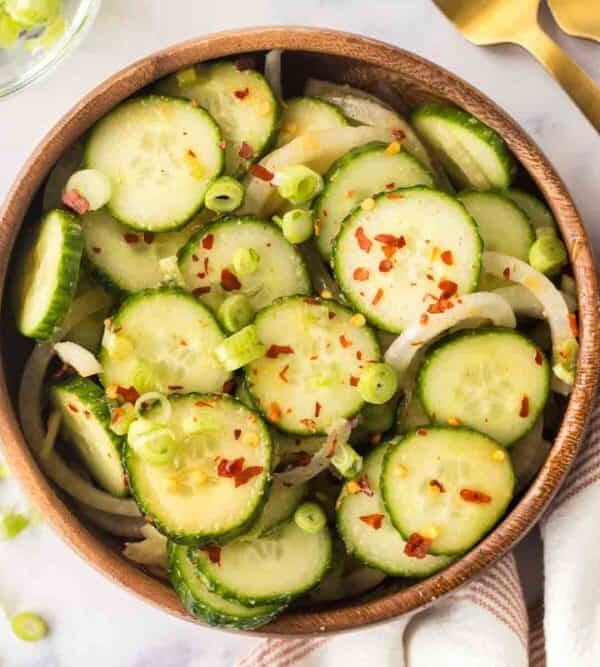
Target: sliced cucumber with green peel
{"type": "Point", "coordinates": [474, 155]}
{"type": "Point", "coordinates": [215, 485]}
{"type": "Point", "coordinates": [382, 547]}
{"type": "Point", "coordinates": [502, 224]}
{"type": "Point", "coordinates": [241, 102]}
{"type": "Point", "coordinates": [209, 263]}
{"type": "Point", "coordinates": [124, 259]}
{"type": "Point", "coordinates": [308, 376]}
{"type": "Point", "coordinates": [280, 506]}
{"type": "Point", "coordinates": [85, 424]}
{"type": "Point", "coordinates": [445, 487]}
{"type": "Point", "coordinates": [397, 258]}
{"type": "Point", "coordinates": [164, 340]}
{"type": "Point", "coordinates": [494, 380]}
{"type": "Point", "coordinates": [268, 570]}
{"type": "Point", "coordinates": [160, 155]}
{"type": "Point", "coordinates": [307, 114]}
{"type": "Point", "coordinates": [212, 608]}
{"type": "Point", "coordinates": [361, 173]}
{"type": "Point", "coordinates": [47, 274]}
{"type": "Point", "coordinates": [537, 212]}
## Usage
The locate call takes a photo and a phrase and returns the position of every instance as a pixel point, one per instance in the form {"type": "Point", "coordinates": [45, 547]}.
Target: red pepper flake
{"type": "Point", "coordinates": [440, 306]}
{"type": "Point", "coordinates": [229, 281]}
{"type": "Point", "coordinates": [183, 342]}
{"type": "Point", "coordinates": [385, 265]}
{"type": "Point", "coordinates": [303, 458]}
{"type": "Point", "coordinates": [203, 404]}
{"type": "Point", "coordinates": [96, 249]}
{"type": "Point", "coordinates": [447, 257]}
{"type": "Point", "coordinates": [330, 315]}
{"type": "Point", "coordinates": [191, 153]}
{"type": "Point", "coordinates": [275, 350]}
{"type": "Point", "coordinates": [206, 265]}
{"type": "Point", "coordinates": [241, 93]}
{"type": "Point", "coordinates": [72, 408]}
{"type": "Point", "coordinates": [228, 468]}
{"type": "Point", "coordinates": [471, 496]}
{"type": "Point", "coordinates": [436, 484]}
{"type": "Point", "coordinates": [353, 381]}
{"type": "Point", "coordinates": [389, 251]}
{"type": "Point", "coordinates": [149, 237]}
{"type": "Point", "coordinates": [506, 273]}
{"type": "Point", "coordinates": [399, 134]}
{"type": "Point", "coordinates": [424, 318]}
{"type": "Point", "coordinates": [359, 355]}
{"type": "Point", "coordinates": [310, 425]}
{"type": "Point", "coordinates": [422, 431]}
{"type": "Point", "coordinates": [246, 151]}
{"type": "Point", "coordinates": [365, 487]}
{"type": "Point", "coordinates": [274, 412]}
{"type": "Point", "coordinates": [375, 439]}
{"type": "Point", "coordinates": [324, 212]}
{"type": "Point", "coordinates": [317, 409]}
{"type": "Point", "coordinates": [214, 554]}
{"type": "Point", "coordinates": [417, 546]}
{"type": "Point", "coordinates": [236, 433]}
{"type": "Point", "coordinates": [244, 63]}
{"type": "Point", "coordinates": [195, 258]}
{"type": "Point", "coordinates": [199, 291]}
{"type": "Point", "coordinates": [364, 243]}
{"type": "Point", "coordinates": [395, 195]}
{"type": "Point", "coordinates": [207, 241]}
{"type": "Point", "coordinates": [128, 394]}
{"type": "Point", "coordinates": [229, 386]}
{"type": "Point", "coordinates": [524, 408]}
{"type": "Point", "coordinates": [373, 520]}
{"type": "Point", "coordinates": [131, 238]}
{"type": "Point", "coordinates": [345, 342]}
{"type": "Point", "coordinates": [283, 373]}
{"type": "Point", "coordinates": [261, 172]}
{"type": "Point", "coordinates": [573, 324]}
{"type": "Point", "coordinates": [76, 201]}
{"type": "Point", "coordinates": [391, 240]}
{"type": "Point", "coordinates": [247, 474]}
{"type": "Point", "coordinates": [350, 193]}
{"type": "Point", "coordinates": [314, 357]}
{"type": "Point", "coordinates": [378, 296]}
{"type": "Point", "coordinates": [361, 273]}
{"type": "Point", "coordinates": [390, 186]}
{"type": "Point", "coordinates": [448, 287]}
{"type": "Point", "coordinates": [538, 356]}
{"type": "Point", "coordinates": [174, 387]}
{"type": "Point", "coordinates": [201, 275]}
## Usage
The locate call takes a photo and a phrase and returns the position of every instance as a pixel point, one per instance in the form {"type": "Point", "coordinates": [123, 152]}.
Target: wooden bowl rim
{"type": "Point", "coordinates": [523, 516]}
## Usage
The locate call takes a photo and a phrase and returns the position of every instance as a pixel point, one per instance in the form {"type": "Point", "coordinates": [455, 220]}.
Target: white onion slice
{"type": "Point", "coordinates": [319, 274]}
{"type": "Point", "coordinates": [273, 71]}
{"type": "Point", "coordinates": [152, 550]}
{"type": "Point", "coordinates": [83, 306]}
{"type": "Point", "coordinates": [77, 356]}
{"type": "Point", "coordinates": [485, 305]}
{"type": "Point", "coordinates": [66, 164]}
{"type": "Point", "coordinates": [335, 587]}
{"type": "Point", "coordinates": [120, 526]}
{"type": "Point", "coordinates": [528, 455]}
{"type": "Point", "coordinates": [525, 304]}
{"type": "Point", "coordinates": [51, 434]}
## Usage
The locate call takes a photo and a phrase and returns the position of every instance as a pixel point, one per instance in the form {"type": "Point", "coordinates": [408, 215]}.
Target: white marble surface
{"type": "Point", "coordinates": [94, 623]}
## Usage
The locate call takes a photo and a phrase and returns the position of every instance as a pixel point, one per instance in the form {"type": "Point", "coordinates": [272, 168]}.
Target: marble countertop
{"type": "Point", "coordinates": [93, 621]}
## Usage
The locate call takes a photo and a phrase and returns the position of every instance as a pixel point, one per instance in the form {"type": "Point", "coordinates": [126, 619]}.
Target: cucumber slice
{"type": "Point", "coordinates": [361, 173]}
{"type": "Point", "coordinates": [406, 247]}
{"type": "Point", "coordinates": [537, 212]}
{"type": "Point", "coordinates": [212, 608]}
{"type": "Point", "coordinates": [207, 263]}
{"type": "Point", "coordinates": [307, 114]}
{"type": "Point", "coordinates": [47, 274]}
{"type": "Point", "coordinates": [124, 259]}
{"type": "Point", "coordinates": [381, 547]}
{"type": "Point", "coordinates": [280, 506]}
{"type": "Point", "coordinates": [215, 485]}
{"type": "Point", "coordinates": [494, 380]}
{"type": "Point", "coordinates": [502, 224]}
{"type": "Point", "coordinates": [85, 424]}
{"type": "Point", "coordinates": [160, 154]}
{"type": "Point", "coordinates": [267, 570]}
{"type": "Point", "coordinates": [170, 338]}
{"type": "Point", "coordinates": [448, 485]}
{"type": "Point", "coordinates": [474, 155]}
{"type": "Point", "coordinates": [241, 102]}
{"type": "Point", "coordinates": [308, 377]}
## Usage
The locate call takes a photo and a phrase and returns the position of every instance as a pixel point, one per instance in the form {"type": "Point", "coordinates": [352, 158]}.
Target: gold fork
{"type": "Point", "coordinates": [580, 18]}
{"type": "Point", "coordinates": [498, 21]}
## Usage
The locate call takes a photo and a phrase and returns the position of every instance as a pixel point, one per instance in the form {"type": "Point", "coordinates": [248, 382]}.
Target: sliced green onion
{"type": "Point", "coordinates": [377, 383]}
{"type": "Point", "coordinates": [9, 30]}
{"type": "Point", "coordinates": [121, 420]}
{"type": "Point", "coordinates": [92, 185]}
{"type": "Point", "coordinates": [154, 444]}
{"type": "Point", "coordinates": [346, 460]}
{"type": "Point", "coordinates": [29, 627]}
{"type": "Point", "coordinates": [199, 424]}
{"type": "Point", "coordinates": [310, 517]}
{"type": "Point", "coordinates": [245, 261]}
{"type": "Point", "coordinates": [236, 312]}
{"type": "Point", "coordinates": [548, 254]}
{"type": "Point", "coordinates": [11, 525]}
{"type": "Point", "coordinates": [33, 13]}
{"type": "Point", "coordinates": [240, 349]}
{"type": "Point", "coordinates": [186, 77]}
{"type": "Point", "coordinates": [149, 400]}
{"type": "Point", "coordinates": [224, 195]}
{"type": "Point", "coordinates": [298, 183]}
{"type": "Point", "coordinates": [297, 225]}
{"type": "Point", "coordinates": [378, 418]}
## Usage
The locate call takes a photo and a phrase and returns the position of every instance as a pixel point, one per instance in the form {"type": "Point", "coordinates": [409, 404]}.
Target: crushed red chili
{"type": "Point", "coordinates": [345, 342]}
{"type": "Point", "coordinates": [72, 408]}
{"type": "Point", "coordinates": [76, 201]}
{"type": "Point", "coordinates": [246, 151]}
{"type": "Point", "coordinates": [390, 186]}
{"type": "Point", "coordinates": [397, 133]}
{"type": "Point", "coordinates": [422, 431]}
{"type": "Point", "coordinates": [174, 387]}
{"type": "Point", "coordinates": [283, 373]}
{"type": "Point", "coordinates": [353, 381]}
{"type": "Point", "coordinates": [261, 172]}
{"type": "Point", "coordinates": [208, 241]}
{"type": "Point", "coordinates": [391, 240]}
{"type": "Point", "coordinates": [471, 496]}
{"type": "Point", "coordinates": [365, 487]}
{"type": "Point", "coordinates": [148, 237]}
{"type": "Point", "coordinates": [573, 324]}
{"type": "Point", "coordinates": [229, 386]}
{"type": "Point", "coordinates": [524, 407]}
{"type": "Point", "coordinates": [229, 280]}
{"type": "Point", "coordinates": [96, 249]}
{"type": "Point", "coordinates": [241, 93]}
{"type": "Point", "coordinates": [274, 413]}
{"type": "Point", "coordinates": [247, 474]}
{"type": "Point", "coordinates": [437, 485]}
{"type": "Point", "coordinates": [372, 520]}
{"type": "Point", "coordinates": [310, 424]}
{"type": "Point", "coordinates": [364, 242]}
{"type": "Point", "coordinates": [385, 265]}
{"type": "Point", "coordinates": [236, 433]}
{"type": "Point", "coordinates": [275, 350]}
{"type": "Point", "coordinates": [378, 296]}
{"type": "Point", "coordinates": [389, 251]}
{"type": "Point", "coordinates": [359, 355]}
{"type": "Point", "coordinates": [417, 546]}
{"type": "Point", "coordinates": [447, 257]}
{"type": "Point", "coordinates": [538, 356]}
{"type": "Point", "coordinates": [506, 273]}
{"type": "Point", "coordinates": [230, 468]}
{"type": "Point", "coordinates": [360, 273]}
{"type": "Point", "coordinates": [448, 287]}
{"type": "Point", "coordinates": [199, 291]}
{"type": "Point", "coordinates": [214, 554]}
{"type": "Point", "coordinates": [131, 238]}
{"type": "Point", "coordinates": [424, 318]}
{"type": "Point", "coordinates": [317, 409]}
{"type": "Point", "coordinates": [440, 306]}
{"type": "Point", "coordinates": [128, 394]}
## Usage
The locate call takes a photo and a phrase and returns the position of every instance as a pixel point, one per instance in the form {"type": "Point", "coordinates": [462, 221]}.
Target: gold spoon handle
{"type": "Point", "coordinates": [582, 89]}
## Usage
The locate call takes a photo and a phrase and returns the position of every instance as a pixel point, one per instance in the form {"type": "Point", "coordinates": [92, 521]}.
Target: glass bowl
{"type": "Point", "coordinates": [20, 66]}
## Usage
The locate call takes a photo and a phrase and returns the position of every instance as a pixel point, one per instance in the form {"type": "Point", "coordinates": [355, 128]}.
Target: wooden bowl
{"type": "Point", "coordinates": [359, 61]}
